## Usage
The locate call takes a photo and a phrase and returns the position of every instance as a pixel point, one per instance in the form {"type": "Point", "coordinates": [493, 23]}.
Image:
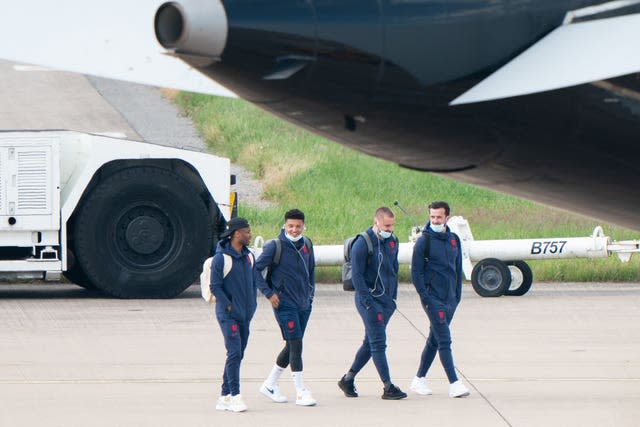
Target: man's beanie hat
{"type": "Point", "coordinates": [294, 214]}
{"type": "Point", "coordinates": [235, 224]}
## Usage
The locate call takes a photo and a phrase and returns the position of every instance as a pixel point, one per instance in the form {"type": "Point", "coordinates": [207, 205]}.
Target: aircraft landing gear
{"type": "Point", "coordinates": [494, 278]}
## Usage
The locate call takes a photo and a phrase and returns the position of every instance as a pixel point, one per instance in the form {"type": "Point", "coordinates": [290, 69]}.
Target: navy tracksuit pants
{"type": "Point", "coordinates": [374, 345]}
{"type": "Point", "coordinates": [439, 340]}
{"type": "Point", "coordinates": [236, 336]}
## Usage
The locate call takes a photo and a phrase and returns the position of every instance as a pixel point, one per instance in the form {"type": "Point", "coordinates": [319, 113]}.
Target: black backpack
{"type": "Point", "coordinates": [266, 273]}
{"type": "Point", "coordinates": [347, 280]}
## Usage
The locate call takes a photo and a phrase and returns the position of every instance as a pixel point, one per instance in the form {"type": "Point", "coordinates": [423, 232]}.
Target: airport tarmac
{"type": "Point", "coordinates": [562, 355]}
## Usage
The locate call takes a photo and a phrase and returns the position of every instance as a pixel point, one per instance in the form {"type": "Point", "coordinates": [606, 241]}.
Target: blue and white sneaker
{"type": "Point", "coordinates": [272, 393]}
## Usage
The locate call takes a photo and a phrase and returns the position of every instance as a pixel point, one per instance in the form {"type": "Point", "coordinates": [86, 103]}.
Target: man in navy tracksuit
{"type": "Point", "coordinates": [375, 279]}
{"type": "Point", "coordinates": [291, 296]}
{"type": "Point", "coordinates": [233, 282]}
{"type": "Point", "coordinates": [437, 276]}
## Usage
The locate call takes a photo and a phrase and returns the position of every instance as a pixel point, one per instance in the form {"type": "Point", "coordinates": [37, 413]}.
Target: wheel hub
{"type": "Point", "coordinates": [144, 235]}
{"type": "Point", "coordinates": [490, 278]}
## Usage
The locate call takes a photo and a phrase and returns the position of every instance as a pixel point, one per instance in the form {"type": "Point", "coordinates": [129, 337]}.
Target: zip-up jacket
{"type": "Point", "coordinates": [375, 276]}
{"type": "Point", "coordinates": [238, 288]}
{"type": "Point", "coordinates": [294, 277]}
{"type": "Point", "coordinates": [440, 275]}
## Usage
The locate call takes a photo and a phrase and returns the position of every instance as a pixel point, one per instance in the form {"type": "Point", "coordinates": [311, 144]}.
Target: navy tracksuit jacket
{"type": "Point", "coordinates": [236, 291]}
{"type": "Point", "coordinates": [437, 277]}
{"type": "Point", "coordinates": [375, 279]}
{"type": "Point", "coordinates": [294, 277]}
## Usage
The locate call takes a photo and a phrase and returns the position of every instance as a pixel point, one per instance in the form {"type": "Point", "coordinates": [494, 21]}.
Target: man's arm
{"type": "Point", "coordinates": [312, 272]}
{"type": "Point", "coordinates": [359, 258]}
{"type": "Point", "coordinates": [458, 271]}
{"type": "Point", "coordinates": [217, 276]}
{"type": "Point", "coordinates": [264, 261]}
{"type": "Point", "coordinates": [396, 268]}
{"type": "Point", "coordinates": [417, 268]}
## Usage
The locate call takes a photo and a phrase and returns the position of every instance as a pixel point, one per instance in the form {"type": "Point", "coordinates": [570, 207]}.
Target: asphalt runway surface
{"type": "Point", "coordinates": [562, 355]}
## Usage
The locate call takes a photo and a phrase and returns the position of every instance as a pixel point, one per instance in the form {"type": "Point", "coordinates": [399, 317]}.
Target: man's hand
{"type": "Point", "coordinates": [274, 300]}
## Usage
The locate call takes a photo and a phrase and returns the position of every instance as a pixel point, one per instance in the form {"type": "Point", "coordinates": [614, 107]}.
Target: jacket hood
{"type": "Point", "coordinates": [224, 246]}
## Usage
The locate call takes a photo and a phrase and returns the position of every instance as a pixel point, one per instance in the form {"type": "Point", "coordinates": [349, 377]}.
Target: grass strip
{"type": "Point", "coordinates": [339, 189]}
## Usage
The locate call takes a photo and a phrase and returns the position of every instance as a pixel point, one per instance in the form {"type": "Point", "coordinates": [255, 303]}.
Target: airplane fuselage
{"type": "Point", "coordinates": [378, 76]}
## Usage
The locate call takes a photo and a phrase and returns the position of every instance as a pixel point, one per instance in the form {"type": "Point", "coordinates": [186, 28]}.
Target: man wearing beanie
{"type": "Point", "coordinates": [233, 282]}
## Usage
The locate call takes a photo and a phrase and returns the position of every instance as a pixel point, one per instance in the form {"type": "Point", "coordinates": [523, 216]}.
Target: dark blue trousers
{"type": "Point", "coordinates": [292, 321]}
{"type": "Point", "coordinates": [439, 340]}
{"type": "Point", "coordinates": [236, 336]}
{"type": "Point", "coordinates": [374, 345]}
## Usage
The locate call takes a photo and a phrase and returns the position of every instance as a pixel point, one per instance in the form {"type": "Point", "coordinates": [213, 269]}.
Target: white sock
{"type": "Point", "coordinates": [297, 380]}
{"type": "Point", "coordinates": [274, 376]}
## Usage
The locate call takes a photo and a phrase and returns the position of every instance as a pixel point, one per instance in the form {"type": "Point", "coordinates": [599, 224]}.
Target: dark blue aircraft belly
{"type": "Point", "coordinates": [378, 76]}
{"type": "Point", "coordinates": [431, 41]}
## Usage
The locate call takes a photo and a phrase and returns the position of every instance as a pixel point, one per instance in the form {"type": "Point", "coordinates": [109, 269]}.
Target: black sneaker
{"type": "Point", "coordinates": [393, 393]}
{"type": "Point", "coordinates": [348, 387]}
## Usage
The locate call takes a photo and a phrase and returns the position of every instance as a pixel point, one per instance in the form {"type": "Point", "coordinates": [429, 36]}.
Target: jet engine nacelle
{"type": "Point", "coordinates": [192, 27]}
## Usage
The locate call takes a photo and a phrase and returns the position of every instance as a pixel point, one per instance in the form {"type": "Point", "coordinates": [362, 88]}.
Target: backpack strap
{"type": "Point", "coordinates": [307, 242]}
{"type": "Point", "coordinates": [350, 241]}
{"type": "Point", "coordinates": [367, 239]}
{"type": "Point", "coordinates": [278, 253]}
{"type": "Point", "coordinates": [228, 263]}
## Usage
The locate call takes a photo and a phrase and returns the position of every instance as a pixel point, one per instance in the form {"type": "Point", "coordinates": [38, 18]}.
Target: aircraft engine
{"type": "Point", "coordinates": [192, 27]}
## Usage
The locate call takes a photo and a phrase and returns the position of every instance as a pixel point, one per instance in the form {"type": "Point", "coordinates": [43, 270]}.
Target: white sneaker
{"type": "Point", "coordinates": [224, 403]}
{"type": "Point", "coordinates": [458, 389]}
{"type": "Point", "coordinates": [273, 393]}
{"type": "Point", "coordinates": [237, 404]}
{"type": "Point", "coordinates": [304, 398]}
{"type": "Point", "coordinates": [419, 385]}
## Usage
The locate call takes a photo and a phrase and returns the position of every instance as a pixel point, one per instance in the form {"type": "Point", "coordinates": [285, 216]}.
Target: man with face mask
{"type": "Point", "coordinates": [375, 279]}
{"type": "Point", "coordinates": [291, 296]}
{"type": "Point", "coordinates": [436, 272]}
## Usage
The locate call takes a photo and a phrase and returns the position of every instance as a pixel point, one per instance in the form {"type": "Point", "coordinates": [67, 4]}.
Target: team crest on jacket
{"type": "Point", "coordinates": [392, 244]}
{"type": "Point", "coordinates": [454, 243]}
{"type": "Point", "coordinates": [304, 249]}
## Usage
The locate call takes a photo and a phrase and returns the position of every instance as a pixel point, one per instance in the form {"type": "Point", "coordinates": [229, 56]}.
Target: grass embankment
{"type": "Point", "coordinates": [339, 189]}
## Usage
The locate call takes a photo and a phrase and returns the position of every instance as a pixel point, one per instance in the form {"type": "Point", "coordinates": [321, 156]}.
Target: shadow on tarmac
{"type": "Point", "coordinates": [54, 290]}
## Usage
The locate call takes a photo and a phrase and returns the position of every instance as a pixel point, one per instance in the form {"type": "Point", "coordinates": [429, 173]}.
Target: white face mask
{"type": "Point", "coordinates": [385, 234]}
{"type": "Point", "coordinates": [291, 238]}
{"type": "Point", "coordinates": [438, 228]}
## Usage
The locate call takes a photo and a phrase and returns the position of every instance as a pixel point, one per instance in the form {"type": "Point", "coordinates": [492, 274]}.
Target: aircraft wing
{"type": "Point", "coordinates": [570, 55]}
{"type": "Point", "coordinates": [113, 39]}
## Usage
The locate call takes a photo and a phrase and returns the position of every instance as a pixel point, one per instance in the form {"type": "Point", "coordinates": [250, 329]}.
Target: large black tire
{"type": "Point", "coordinates": [527, 279]}
{"type": "Point", "coordinates": [490, 278]}
{"type": "Point", "coordinates": [75, 274]}
{"type": "Point", "coordinates": [143, 232]}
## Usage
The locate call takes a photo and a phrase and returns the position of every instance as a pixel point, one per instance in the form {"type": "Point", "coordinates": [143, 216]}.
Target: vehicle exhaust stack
{"type": "Point", "coordinates": [192, 27]}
